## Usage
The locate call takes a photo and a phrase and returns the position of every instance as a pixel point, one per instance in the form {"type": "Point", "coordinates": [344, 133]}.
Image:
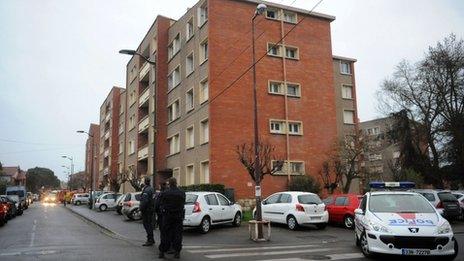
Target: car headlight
{"type": "Point", "coordinates": [445, 228]}
{"type": "Point", "coordinates": [378, 227]}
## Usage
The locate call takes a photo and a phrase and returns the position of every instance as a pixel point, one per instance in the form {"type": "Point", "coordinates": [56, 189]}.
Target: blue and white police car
{"type": "Point", "coordinates": [391, 221]}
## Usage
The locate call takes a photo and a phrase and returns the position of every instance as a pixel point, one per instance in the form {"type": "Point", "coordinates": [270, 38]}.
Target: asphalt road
{"type": "Point", "coordinates": [51, 232]}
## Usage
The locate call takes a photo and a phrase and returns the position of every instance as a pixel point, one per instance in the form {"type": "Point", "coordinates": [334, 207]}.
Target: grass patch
{"type": "Point", "coordinates": [247, 216]}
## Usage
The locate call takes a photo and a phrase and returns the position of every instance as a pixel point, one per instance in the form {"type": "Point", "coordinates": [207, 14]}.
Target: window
{"type": "Point", "coordinates": [373, 131]}
{"type": "Point", "coordinates": [121, 147]}
{"type": "Point", "coordinates": [131, 122]}
{"type": "Point", "coordinates": [174, 47]}
{"type": "Point", "coordinates": [204, 91]}
{"type": "Point", "coordinates": [173, 111]}
{"type": "Point", "coordinates": [347, 92]}
{"type": "Point", "coordinates": [204, 131]}
{"type": "Point", "coordinates": [373, 157]}
{"type": "Point", "coordinates": [202, 14]}
{"type": "Point", "coordinates": [132, 98]}
{"type": "Point", "coordinates": [189, 138]}
{"type": "Point", "coordinates": [348, 117]}
{"type": "Point", "coordinates": [176, 174]}
{"type": "Point", "coordinates": [174, 146]}
{"type": "Point", "coordinates": [290, 17]}
{"type": "Point", "coordinates": [297, 168]}
{"type": "Point", "coordinates": [277, 127]}
{"type": "Point", "coordinates": [345, 67]}
{"type": "Point", "coordinates": [271, 13]}
{"type": "Point", "coordinates": [131, 147]}
{"type": "Point", "coordinates": [204, 171]}
{"type": "Point", "coordinates": [291, 52]}
{"type": "Point", "coordinates": [285, 198]}
{"type": "Point", "coordinates": [174, 78]}
{"type": "Point", "coordinates": [223, 200]}
{"type": "Point", "coordinates": [189, 66]}
{"type": "Point", "coordinates": [341, 201]}
{"type": "Point", "coordinates": [189, 29]}
{"type": "Point", "coordinates": [272, 199]}
{"type": "Point", "coordinates": [293, 90]}
{"type": "Point", "coordinates": [276, 87]}
{"type": "Point", "coordinates": [396, 154]}
{"type": "Point", "coordinates": [295, 128]}
{"type": "Point", "coordinates": [211, 200]}
{"type": "Point", "coordinates": [203, 51]}
{"type": "Point", "coordinates": [190, 175]}
{"type": "Point", "coordinates": [274, 50]}
{"type": "Point", "coordinates": [189, 101]}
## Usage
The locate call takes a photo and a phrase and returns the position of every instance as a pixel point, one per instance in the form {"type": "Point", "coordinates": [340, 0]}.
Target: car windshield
{"type": "Point", "coordinates": [20, 193]}
{"type": "Point", "coordinates": [309, 199]}
{"type": "Point", "coordinates": [15, 198]}
{"type": "Point", "coordinates": [190, 199]}
{"type": "Point", "coordinates": [399, 203]}
{"type": "Point", "coordinates": [446, 196]}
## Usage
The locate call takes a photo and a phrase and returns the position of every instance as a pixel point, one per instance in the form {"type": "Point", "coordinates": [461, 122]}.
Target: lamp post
{"type": "Point", "coordinates": [68, 174]}
{"type": "Point", "coordinates": [92, 180]}
{"type": "Point", "coordinates": [71, 169]}
{"type": "Point", "coordinates": [260, 9]}
{"type": "Point", "coordinates": [147, 59]}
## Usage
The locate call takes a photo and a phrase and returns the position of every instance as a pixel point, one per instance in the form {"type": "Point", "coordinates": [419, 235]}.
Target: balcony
{"type": "Point", "coordinates": [107, 135]}
{"type": "Point", "coordinates": [144, 124]}
{"type": "Point", "coordinates": [106, 153]}
{"type": "Point", "coordinates": [143, 100]}
{"type": "Point", "coordinates": [143, 75]}
{"type": "Point", "coordinates": [107, 117]}
{"type": "Point", "coordinates": [106, 171]}
{"type": "Point", "coordinates": [143, 153]}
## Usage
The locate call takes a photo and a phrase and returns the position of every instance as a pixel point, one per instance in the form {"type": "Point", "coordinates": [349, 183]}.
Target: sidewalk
{"type": "Point", "coordinates": [110, 220]}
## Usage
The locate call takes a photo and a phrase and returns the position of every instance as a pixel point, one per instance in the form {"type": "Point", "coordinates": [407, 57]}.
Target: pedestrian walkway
{"type": "Point", "coordinates": [305, 252]}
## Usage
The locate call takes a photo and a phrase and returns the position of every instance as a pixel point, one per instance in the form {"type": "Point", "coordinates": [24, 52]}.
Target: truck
{"type": "Point", "coordinates": [21, 192]}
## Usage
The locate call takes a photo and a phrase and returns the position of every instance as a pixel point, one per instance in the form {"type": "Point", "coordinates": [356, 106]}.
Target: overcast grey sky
{"type": "Point", "coordinates": [59, 59]}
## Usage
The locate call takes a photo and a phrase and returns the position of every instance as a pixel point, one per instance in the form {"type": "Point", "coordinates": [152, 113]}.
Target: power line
{"type": "Point", "coordinates": [38, 150]}
{"type": "Point", "coordinates": [33, 143]}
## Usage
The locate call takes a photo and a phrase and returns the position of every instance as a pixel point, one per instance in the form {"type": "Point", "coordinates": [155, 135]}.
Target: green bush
{"type": "Point", "coordinates": [304, 183]}
{"type": "Point", "coordinates": [220, 188]}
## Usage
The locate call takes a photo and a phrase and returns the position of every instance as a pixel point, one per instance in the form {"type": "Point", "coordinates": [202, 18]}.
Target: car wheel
{"type": "Point", "coordinates": [103, 207]}
{"type": "Point", "coordinates": [237, 220]}
{"type": "Point", "coordinates": [365, 246]}
{"type": "Point", "coordinates": [119, 211]}
{"type": "Point", "coordinates": [205, 225]}
{"type": "Point", "coordinates": [78, 203]}
{"type": "Point", "coordinates": [135, 214]}
{"type": "Point", "coordinates": [292, 223]}
{"type": "Point", "coordinates": [321, 226]}
{"type": "Point", "coordinates": [348, 222]}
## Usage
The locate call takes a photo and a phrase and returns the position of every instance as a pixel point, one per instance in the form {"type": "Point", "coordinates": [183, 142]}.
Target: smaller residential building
{"type": "Point", "coordinates": [14, 175]}
{"type": "Point", "coordinates": [92, 155]}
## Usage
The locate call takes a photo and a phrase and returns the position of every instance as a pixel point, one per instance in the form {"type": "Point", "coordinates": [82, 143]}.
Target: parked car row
{"type": "Point", "coordinates": [10, 207]}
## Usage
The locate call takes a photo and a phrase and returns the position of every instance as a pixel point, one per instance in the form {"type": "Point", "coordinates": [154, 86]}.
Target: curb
{"type": "Point", "coordinates": [103, 228]}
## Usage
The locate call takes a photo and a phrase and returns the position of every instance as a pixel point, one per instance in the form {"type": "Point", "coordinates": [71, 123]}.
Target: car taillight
{"type": "Point", "coordinates": [196, 207]}
{"type": "Point", "coordinates": [299, 208]}
{"type": "Point", "coordinates": [325, 207]}
{"type": "Point", "coordinates": [129, 204]}
{"type": "Point", "coordinates": [440, 204]}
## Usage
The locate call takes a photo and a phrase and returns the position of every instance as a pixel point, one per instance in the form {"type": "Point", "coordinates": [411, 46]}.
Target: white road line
{"type": "Point", "coordinates": [269, 253]}
{"type": "Point", "coordinates": [33, 233]}
{"type": "Point", "coordinates": [10, 254]}
{"type": "Point", "coordinates": [332, 257]}
{"type": "Point", "coordinates": [247, 249]}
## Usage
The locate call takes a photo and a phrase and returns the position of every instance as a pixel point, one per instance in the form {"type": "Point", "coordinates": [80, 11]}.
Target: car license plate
{"type": "Point", "coordinates": [315, 218]}
{"type": "Point", "coordinates": [415, 252]}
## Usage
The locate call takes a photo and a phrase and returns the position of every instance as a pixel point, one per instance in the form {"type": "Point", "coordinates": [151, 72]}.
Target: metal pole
{"type": "Point", "coordinates": [154, 131]}
{"type": "Point", "coordinates": [92, 158]}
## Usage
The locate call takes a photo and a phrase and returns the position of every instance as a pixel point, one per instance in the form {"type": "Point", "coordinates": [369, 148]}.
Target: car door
{"type": "Point", "coordinates": [228, 209]}
{"type": "Point", "coordinates": [268, 207]}
{"type": "Point", "coordinates": [359, 218]}
{"type": "Point", "coordinates": [214, 209]}
{"type": "Point", "coordinates": [282, 207]}
{"type": "Point", "coordinates": [339, 208]}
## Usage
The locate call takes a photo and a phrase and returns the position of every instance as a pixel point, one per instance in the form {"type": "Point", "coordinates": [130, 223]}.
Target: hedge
{"type": "Point", "coordinates": [220, 188]}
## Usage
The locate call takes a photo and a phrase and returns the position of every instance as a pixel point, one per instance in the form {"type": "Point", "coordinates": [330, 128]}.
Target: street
{"type": "Point", "coordinates": [52, 232]}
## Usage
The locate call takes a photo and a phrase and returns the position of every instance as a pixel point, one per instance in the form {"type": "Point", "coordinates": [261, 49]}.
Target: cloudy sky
{"type": "Point", "coordinates": [59, 59]}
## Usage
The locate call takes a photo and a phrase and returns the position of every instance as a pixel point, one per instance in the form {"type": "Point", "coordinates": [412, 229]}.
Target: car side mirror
{"type": "Point", "coordinates": [359, 211]}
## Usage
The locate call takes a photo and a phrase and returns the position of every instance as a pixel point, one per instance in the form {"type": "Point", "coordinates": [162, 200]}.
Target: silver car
{"type": "Point", "coordinates": [130, 206]}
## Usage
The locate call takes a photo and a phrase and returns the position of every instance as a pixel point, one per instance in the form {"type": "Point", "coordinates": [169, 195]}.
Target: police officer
{"type": "Point", "coordinates": [158, 205]}
{"type": "Point", "coordinates": [147, 209]}
{"type": "Point", "coordinates": [172, 203]}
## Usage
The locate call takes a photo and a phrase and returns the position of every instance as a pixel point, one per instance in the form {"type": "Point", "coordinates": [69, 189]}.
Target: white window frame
{"type": "Point", "coordinates": [173, 110]}
{"type": "Point", "coordinates": [280, 87]}
{"type": "Point", "coordinates": [174, 138]}
{"type": "Point", "coordinates": [275, 10]}
{"type": "Point", "coordinates": [189, 69]}
{"type": "Point", "coordinates": [278, 47]}
{"type": "Point", "coordinates": [174, 47]}
{"type": "Point", "coordinates": [202, 14]}
{"type": "Point", "coordinates": [188, 137]}
{"type": "Point", "coordinates": [341, 67]}
{"type": "Point", "coordinates": [295, 49]}
{"type": "Point", "coordinates": [281, 123]}
{"type": "Point", "coordinates": [204, 96]}
{"type": "Point", "coordinates": [204, 52]}
{"type": "Point", "coordinates": [288, 169]}
{"type": "Point", "coordinates": [204, 139]}
{"type": "Point", "coordinates": [175, 81]}
{"type": "Point", "coordinates": [203, 178]}
{"type": "Point", "coordinates": [346, 86]}
{"type": "Point", "coordinates": [187, 100]}
{"type": "Point", "coordinates": [189, 35]}
{"type": "Point", "coordinates": [131, 147]}
{"type": "Point", "coordinates": [298, 89]}
{"type": "Point", "coordinates": [177, 177]}
{"type": "Point", "coordinates": [345, 119]}
{"type": "Point", "coordinates": [190, 177]}
{"type": "Point", "coordinates": [285, 127]}
{"type": "Point", "coordinates": [295, 15]}
{"type": "Point", "coordinates": [300, 128]}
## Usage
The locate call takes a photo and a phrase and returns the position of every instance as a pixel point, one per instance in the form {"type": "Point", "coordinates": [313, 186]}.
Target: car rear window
{"type": "Point", "coordinates": [127, 198]}
{"type": "Point", "coordinates": [458, 196]}
{"type": "Point", "coordinates": [428, 196]}
{"type": "Point", "coordinates": [446, 196]}
{"type": "Point", "coordinates": [137, 197]}
{"type": "Point", "coordinates": [20, 193]}
{"type": "Point", "coordinates": [190, 199]}
{"type": "Point", "coordinates": [309, 199]}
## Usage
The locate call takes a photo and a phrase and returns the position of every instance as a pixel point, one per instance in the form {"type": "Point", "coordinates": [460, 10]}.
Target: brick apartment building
{"type": "Point", "coordinates": [92, 155]}
{"type": "Point", "coordinates": [306, 96]}
{"type": "Point", "coordinates": [109, 137]}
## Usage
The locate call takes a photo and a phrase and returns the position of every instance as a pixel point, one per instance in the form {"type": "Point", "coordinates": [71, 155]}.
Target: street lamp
{"type": "Point", "coordinates": [260, 9]}
{"type": "Point", "coordinates": [92, 181]}
{"type": "Point", "coordinates": [133, 52]}
{"type": "Point", "coordinates": [72, 165]}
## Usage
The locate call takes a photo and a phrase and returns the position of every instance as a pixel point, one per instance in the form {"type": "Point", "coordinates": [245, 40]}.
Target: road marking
{"type": "Point", "coordinates": [269, 253]}
{"type": "Point", "coordinates": [10, 254]}
{"type": "Point", "coordinates": [331, 257]}
{"type": "Point", "coordinates": [33, 233]}
{"type": "Point", "coordinates": [247, 249]}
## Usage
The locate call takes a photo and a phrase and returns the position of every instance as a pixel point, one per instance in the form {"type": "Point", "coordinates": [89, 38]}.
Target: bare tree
{"type": "Point", "coordinates": [329, 180]}
{"type": "Point", "coordinates": [265, 159]}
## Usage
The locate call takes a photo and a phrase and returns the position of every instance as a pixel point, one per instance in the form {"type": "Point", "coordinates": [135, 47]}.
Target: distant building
{"type": "Point", "coordinates": [14, 175]}
{"type": "Point", "coordinates": [92, 155]}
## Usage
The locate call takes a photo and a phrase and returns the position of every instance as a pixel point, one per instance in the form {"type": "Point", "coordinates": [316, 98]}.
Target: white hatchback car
{"type": "Point", "coordinates": [294, 209]}
{"type": "Point", "coordinates": [80, 198]}
{"type": "Point", "coordinates": [130, 206]}
{"type": "Point", "coordinates": [106, 201]}
{"type": "Point", "coordinates": [203, 209]}
{"type": "Point", "coordinates": [402, 223]}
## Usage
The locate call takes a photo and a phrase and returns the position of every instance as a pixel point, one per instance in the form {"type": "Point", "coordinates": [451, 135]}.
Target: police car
{"type": "Point", "coordinates": [391, 221]}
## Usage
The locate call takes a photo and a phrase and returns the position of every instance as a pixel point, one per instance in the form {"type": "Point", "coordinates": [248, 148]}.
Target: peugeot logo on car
{"type": "Point", "coordinates": [414, 229]}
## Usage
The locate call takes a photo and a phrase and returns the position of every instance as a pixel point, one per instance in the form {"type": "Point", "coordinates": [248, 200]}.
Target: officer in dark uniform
{"type": "Point", "coordinates": [158, 205]}
{"type": "Point", "coordinates": [147, 209]}
{"type": "Point", "coordinates": [172, 203]}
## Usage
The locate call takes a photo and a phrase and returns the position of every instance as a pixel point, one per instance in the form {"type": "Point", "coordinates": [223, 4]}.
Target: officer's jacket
{"type": "Point", "coordinates": [172, 201]}
{"type": "Point", "coordinates": [146, 199]}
